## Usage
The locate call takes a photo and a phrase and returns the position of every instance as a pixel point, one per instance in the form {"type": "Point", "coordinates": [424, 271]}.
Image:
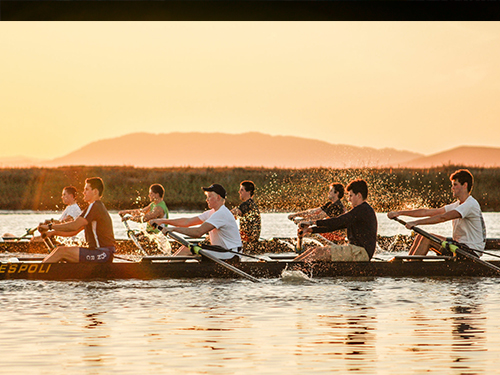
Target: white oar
{"type": "Point", "coordinates": [131, 235]}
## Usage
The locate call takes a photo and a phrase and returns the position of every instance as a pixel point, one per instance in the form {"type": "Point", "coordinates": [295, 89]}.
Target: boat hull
{"type": "Point", "coordinates": [147, 270]}
{"type": "Point", "coordinates": [277, 246]}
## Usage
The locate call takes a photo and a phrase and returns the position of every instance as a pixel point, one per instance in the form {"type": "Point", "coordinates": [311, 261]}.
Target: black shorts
{"type": "Point", "coordinates": [99, 255]}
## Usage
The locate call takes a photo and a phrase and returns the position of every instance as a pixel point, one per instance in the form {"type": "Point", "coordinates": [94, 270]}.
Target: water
{"type": "Point", "coordinates": [366, 326]}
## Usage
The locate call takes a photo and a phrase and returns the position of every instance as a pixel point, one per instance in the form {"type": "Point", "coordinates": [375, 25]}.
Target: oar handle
{"type": "Point", "coordinates": [300, 237]}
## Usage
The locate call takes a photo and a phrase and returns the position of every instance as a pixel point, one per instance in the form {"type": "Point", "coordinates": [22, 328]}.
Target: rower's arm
{"type": "Point", "coordinates": [236, 211]}
{"type": "Point", "coordinates": [63, 234]}
{"type": "Point", "coordinates": [68, 229]}
{"type": "Point", "coordinates": [450, 215]}
{"type": "Point", "coordinates": [155, 214]}
{"type": "Point", "coordinates": [180, 222]}
{"type": "Point", "coordinates": [196, 231]}
{"type": "Point", "coordinates": [307, 214]}
{"type": "Point", "coordinates": [134, 211]}
{"type": "Point", "coordinates": [421, 212]}
{"type": "Point", "coordinates": [140, 214]}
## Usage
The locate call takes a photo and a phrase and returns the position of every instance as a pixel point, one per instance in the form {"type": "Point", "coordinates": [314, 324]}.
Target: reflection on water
{"type": "Point", "coordinates": [293, 326]}
{"type": "Point", "coordinates": [369, 326]}
{"type": "Point", "coordinates": [469, 333]}
{"type": "Point", "coordinates": [351, 336]}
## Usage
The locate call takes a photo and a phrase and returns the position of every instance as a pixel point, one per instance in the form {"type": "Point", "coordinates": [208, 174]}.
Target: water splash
{"type": "Point", "coordinates": [158, 240]}
{"type": "Point", "coordinates": [389, 189]}
{"type": "Point", "coordinates": [295, 276]}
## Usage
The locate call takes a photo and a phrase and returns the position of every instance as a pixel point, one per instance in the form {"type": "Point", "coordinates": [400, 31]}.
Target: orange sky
{"type": "Point", "coordinates": [418, 86]}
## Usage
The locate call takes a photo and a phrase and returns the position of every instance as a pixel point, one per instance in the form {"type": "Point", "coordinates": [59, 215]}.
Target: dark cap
{"type": "Point", "coordinates": [216, 188]}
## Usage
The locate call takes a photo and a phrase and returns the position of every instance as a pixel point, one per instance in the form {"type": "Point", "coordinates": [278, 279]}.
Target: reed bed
{"type": "Point", "coordinates": [278, 189]}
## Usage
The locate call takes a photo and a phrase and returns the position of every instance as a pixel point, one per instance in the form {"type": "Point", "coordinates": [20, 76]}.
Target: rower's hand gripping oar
{"type": "Point", "coordinates": [453, 247]}
{"type": "Point", "coordinates": [300, 237]}
{"type": "Point", "coordinates": [195, 249]}
{"type": "Point", "coordinates": [300, 234]}
{"type": "Point", "coordinates": [131, 234]}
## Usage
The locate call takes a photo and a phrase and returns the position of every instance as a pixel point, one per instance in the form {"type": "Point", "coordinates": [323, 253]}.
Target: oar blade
{"type": "Point", "coordinates": [131, 235]}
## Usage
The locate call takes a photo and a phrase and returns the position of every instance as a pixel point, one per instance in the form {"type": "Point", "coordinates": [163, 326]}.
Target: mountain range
{"type": "Point", "coordinates": [221, 149]}
{"type": "Point", "coordinates": [251, 150]}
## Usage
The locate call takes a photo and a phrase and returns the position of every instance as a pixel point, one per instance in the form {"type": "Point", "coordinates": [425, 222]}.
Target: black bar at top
{"type": "Point", "coordinates": [248, 10]}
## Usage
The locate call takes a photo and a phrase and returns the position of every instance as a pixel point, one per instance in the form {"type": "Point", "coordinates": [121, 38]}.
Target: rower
{"type": "Point", "coordinates": [361, 225]}
{"type": "Point", "coordinates": [98, 227]}
{"type": "Point", "coordinates": [157, 209]}
{"type": "Point", "coordinates": [70, 213]}
{"type": "Point", "coordinates": [468, 222]}
{"type": "Point", "coordinates": [249, 215]}
{"type": "Point", "coordinates": [333, 207]}
{"type": "Point", "coordinates": [218, 222]}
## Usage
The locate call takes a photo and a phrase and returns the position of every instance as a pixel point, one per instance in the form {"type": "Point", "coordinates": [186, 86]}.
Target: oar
{"type": "Point", "coordinates": [222, 250]}
{"type": "Point", "coordinates": [487, 253]}
{"type": "Point", "coordinates": [12, 238]}
{"type": "Point", "coordinates": [131, 235]}
{"type": "Point", "coordinates": [195, 249]}
{"type": "Point", "coordinates": [29, 232]}
{"type": "Point", "coordinates": [454, 248]}
{"type": "Point", "coordinates": [300, 235]}
{"type": "Point", "coordinates": [48, 242]}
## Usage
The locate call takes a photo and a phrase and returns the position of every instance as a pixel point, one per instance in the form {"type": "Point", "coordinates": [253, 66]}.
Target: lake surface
{"type": "Point", "coordinates": [365, 326]}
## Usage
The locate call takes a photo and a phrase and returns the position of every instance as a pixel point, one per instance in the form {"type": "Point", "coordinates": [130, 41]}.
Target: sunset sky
{"type": "Point", "coordinates": [417, 86]}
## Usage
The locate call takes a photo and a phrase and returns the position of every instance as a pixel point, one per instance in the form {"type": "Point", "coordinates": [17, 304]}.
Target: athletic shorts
{"type": "Point", "coordinates": [99, 255]}
{"type": "Point", "coordinates": [348, 253]}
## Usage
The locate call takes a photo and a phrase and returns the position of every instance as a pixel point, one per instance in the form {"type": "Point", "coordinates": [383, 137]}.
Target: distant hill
{"type": "Point", "coordinates": [470, 156]}
{"type": "Point", "coordinates": [19, 162]}
{"type": "Point", "coordinates": [220, 149]}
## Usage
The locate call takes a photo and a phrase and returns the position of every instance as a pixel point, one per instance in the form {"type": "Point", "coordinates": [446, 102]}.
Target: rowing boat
{"type": "Point", "coordinates": [158, 267]}
{"type": "Point", "coordinates": [126, 246]}
{"type": "Point", "coordinates": [275, 245]}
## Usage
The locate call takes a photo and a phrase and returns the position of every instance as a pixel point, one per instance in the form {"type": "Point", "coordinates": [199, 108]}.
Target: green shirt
{"type": "Point", "coordinates": [163, 206]}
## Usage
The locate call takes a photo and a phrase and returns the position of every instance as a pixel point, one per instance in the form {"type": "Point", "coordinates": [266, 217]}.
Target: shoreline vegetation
{"type": "Point", "coordinates": [278, 189]}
